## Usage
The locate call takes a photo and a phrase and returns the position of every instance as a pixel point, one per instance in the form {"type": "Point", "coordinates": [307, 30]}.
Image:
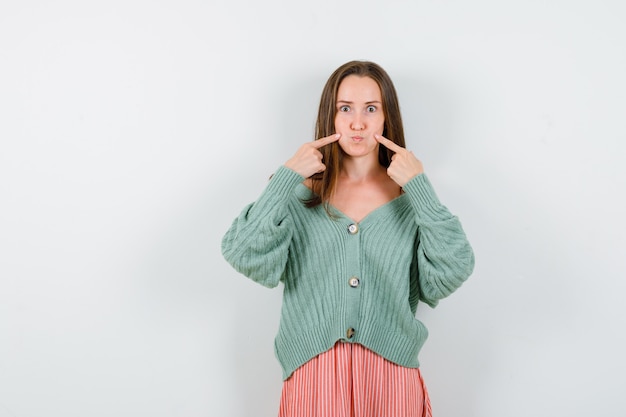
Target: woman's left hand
{"type": "Point", "coordinates": [404, 165]}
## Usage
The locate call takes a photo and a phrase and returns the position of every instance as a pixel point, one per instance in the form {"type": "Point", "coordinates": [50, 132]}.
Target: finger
{"type": "Point", "coordinates": [325, 141]}
{"type": "Point", "coordinates": [388, 144]}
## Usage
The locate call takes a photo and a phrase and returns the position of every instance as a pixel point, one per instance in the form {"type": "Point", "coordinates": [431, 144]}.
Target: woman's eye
{"type": "Point", "coordinates": [344, 108]}
{"type": "Point", "coordinates": [371, 109]}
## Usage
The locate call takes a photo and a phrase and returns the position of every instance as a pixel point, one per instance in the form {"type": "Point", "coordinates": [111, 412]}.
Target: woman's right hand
{"type": "Point", "coordinates": [308, 159]}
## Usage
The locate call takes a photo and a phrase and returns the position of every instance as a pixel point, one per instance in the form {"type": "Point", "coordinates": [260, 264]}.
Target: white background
{"type": "Point", "coordinates": [133, 132]}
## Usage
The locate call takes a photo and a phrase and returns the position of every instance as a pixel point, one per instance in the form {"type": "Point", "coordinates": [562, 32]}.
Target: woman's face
{"type": "Point", "coordinates": [359, 115]}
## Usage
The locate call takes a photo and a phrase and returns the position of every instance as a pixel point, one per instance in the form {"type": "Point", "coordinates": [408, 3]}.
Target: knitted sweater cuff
{"type": "Point", "coordinates": [424, 200]}
{"type": "Point", "coordinates": [278, 191]}
{"type": "Point", "coordinates": [283, 182]}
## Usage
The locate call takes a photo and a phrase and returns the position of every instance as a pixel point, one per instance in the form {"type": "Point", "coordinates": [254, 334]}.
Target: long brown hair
{"type": "Point", "coordinates": [324, 183]}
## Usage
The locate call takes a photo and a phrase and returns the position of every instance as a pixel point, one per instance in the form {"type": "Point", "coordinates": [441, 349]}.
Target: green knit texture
{"type": "Point", "coordinates": [406, 251]}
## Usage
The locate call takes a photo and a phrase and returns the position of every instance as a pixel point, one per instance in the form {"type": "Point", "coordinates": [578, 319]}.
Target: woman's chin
{"type": "Point", "coordinates": [357, 149]}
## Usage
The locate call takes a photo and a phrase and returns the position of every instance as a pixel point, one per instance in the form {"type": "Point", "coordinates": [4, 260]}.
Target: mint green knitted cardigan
{"type": "Point", "coordinates": [407, 250]}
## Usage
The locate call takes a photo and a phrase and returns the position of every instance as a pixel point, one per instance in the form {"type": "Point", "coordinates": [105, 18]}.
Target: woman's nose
{"type": "Point", "coordinates": [357, 123]}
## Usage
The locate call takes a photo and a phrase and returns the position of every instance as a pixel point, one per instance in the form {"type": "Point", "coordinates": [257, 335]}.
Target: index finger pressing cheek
{"type": "Point", "coordinates": [388, 143]}
{"type": "Point", "coordinates": [319, 143]}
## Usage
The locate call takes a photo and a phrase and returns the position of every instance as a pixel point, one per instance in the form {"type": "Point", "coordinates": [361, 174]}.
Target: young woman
{"type": "Point", "coordinates": [354, 230]}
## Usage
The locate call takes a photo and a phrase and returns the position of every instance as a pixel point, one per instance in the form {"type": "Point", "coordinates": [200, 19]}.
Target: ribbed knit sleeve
{"type": "Point", "coordinates": [445, 258]}
{"type": "Point", "coordinates": [257, 243]}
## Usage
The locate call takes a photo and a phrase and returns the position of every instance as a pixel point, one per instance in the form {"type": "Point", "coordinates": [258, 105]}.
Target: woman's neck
{"type": "Point", "coordinates": [361, 168]}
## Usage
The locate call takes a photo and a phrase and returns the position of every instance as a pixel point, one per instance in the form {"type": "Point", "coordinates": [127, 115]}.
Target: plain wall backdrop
{"type": "Point", "coordinates": [133, 132]}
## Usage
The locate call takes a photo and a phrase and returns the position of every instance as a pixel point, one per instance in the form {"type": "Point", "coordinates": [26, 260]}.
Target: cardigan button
{"type": "Point", "coordinates": [350, 333]}
{"type": "Point", "coordinates": [353, 229]}
{"type": "Point", "coordinates": [354, 282]}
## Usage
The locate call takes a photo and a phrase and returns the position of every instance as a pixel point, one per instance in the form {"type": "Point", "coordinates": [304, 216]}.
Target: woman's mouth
{"type": "Point", "coordinates": [357, 138]}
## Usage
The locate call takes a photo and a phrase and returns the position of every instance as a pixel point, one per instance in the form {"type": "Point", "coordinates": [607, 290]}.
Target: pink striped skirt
{"type": "Point", "coordinates": [350, 380]}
